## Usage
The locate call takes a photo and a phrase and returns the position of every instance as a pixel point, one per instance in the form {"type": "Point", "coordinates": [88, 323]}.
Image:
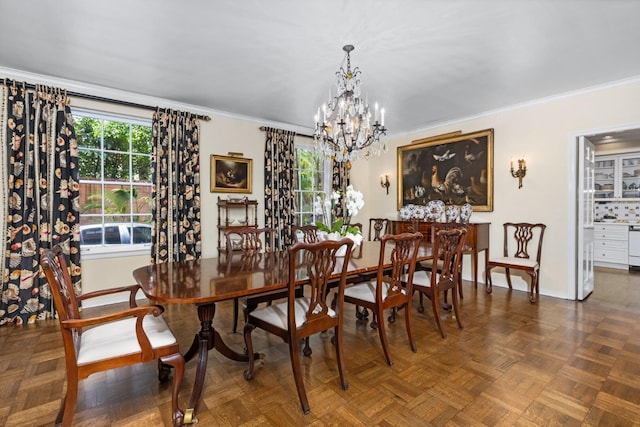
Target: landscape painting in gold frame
{"type": "Point", "coordinates": [457, 168]}
{"type": "Point", "coordinates": [230, 174]}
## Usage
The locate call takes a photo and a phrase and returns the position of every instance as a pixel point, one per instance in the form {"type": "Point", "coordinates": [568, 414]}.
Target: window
{"type": "Point", "coordinates": [312, 179]}
{"type": "Point", "coordinates": [115, 181]}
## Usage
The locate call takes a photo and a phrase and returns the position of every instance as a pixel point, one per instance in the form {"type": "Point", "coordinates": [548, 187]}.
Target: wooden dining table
{"type": "Point", "coordinates": [206, 281]}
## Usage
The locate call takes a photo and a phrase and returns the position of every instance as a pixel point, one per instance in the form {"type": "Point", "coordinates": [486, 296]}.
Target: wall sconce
{"type": "Point", "coordinates": [384, 182]}
{"type": "Point", "coordinates": [520, 172]}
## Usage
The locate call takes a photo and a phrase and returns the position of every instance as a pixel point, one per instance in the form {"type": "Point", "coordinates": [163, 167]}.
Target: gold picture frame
{"type": "Point", "coordinates": [231, 174]}
{"type": "Point", "coordinates": [456, 168]}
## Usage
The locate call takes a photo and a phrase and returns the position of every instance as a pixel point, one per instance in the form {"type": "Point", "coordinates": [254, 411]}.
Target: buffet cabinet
{"type": "Point", "coordinates": [477, 238]}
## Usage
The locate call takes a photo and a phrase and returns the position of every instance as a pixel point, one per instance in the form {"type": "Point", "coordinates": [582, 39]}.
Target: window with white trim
{"type": "Point", "coordinates": [312, 179]}
{"type": "Point", "coordinates": [114, 156]}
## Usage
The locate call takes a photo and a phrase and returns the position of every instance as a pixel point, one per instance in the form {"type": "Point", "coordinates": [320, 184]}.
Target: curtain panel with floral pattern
{"type": "Point", "coordinates": [175, 173]}
{"type": "Point", "coordinates": [279, 197]}
{"type": "Point", "coordinates": [40, 196]}
{"type": "Point", "coordinates": [340, 180]}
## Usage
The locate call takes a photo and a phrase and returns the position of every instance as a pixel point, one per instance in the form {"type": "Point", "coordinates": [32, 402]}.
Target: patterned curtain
{"type": "Point", "coordinates": [175, 173]}
{"type": "Point", "coordinates": [279, 198]}
{"type": "Point", "coordinates": [40, 196]}
{"type": "Point", "coordinates": [340, 180]}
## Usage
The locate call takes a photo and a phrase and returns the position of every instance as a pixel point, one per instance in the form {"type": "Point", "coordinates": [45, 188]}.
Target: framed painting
{"type": "Point", "coordinates": [230, 174]}
{"type": "Point", "coordinates": [456, 168]}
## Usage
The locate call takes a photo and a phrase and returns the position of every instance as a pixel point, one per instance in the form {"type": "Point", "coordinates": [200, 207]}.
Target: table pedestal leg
{"type": "Point", "coordinates": [206, 339]}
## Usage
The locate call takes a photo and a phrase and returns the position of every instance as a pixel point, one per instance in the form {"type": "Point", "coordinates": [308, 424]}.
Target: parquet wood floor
{"type": "Point", "coordinates": [514, 364]}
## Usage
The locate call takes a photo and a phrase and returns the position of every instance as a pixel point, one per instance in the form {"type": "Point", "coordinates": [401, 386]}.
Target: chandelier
{"type": "Point", "coordinates": [345, 128]}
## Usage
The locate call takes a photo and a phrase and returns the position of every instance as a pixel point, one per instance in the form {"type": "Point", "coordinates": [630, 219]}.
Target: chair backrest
{"type": "Point", "coordinates": [54, 264]}
{"type": "Point", "coordinates": [448, 242]}
{"type": "Point", "coordinates": [403, 257]}
{"type": "Point", "coordinates": [521, 235]}
{"type": "Point", "coordinates": [319, 262]}
{"type": "Point", "coordinates": [305, 233]}
{"type": "Point", "coordinates": [377, 228]}
{"type": "Point", "coordinates": [249, 240]}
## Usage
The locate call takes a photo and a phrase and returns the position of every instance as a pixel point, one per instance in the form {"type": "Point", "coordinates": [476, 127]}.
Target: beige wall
{"type": "Point", "coordinates": [541, 132]}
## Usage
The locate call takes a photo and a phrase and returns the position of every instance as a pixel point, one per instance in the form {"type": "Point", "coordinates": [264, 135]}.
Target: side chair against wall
{"type": "Point", "coordinates": [444, 272]}
{"type": "Point", "coordinates": [377, 228]}
{"type": "Point", "coordinates": [386, 291]}
{"type": "Point", "coordinates": [300, 317]}
{"type": "Point", "coordinates": [135, 335]}
{"type": "Point", "coordinates": [515, 254]}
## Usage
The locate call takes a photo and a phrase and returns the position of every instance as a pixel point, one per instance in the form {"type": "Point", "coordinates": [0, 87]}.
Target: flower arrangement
{"type": "Point", "coordinates": [352, 202]}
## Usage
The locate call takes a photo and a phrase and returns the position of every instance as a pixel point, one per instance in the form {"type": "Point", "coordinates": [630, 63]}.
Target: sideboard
{"type": "Point", "coordinates": [477, 238]}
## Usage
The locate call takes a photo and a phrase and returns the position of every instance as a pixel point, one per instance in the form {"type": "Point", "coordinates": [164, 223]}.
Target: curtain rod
{"type": "Point", "coordinates": [264, 128]}
{"type": "Point", "coordinates": [103, 99]}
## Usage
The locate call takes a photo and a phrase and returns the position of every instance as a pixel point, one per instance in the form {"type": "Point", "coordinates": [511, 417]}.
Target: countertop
{"type": "Point", "coordinates": [618, 222]}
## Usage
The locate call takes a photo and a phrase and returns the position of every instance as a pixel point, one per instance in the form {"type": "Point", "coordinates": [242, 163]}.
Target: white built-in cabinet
{"type": "Point", "coordinates": [611, 245]}
{"type": "Point", "coordinates": [617, 177]}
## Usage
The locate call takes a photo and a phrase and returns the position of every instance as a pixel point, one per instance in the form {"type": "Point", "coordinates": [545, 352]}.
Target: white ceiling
{"type": "Point", "coordinates": [426, 62]}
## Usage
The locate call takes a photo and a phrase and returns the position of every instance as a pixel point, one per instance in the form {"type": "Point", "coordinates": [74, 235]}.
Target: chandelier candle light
{"type": "Point", "coordinates": [345, 129]}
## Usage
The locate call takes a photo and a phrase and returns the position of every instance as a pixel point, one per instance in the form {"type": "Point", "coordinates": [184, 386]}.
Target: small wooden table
{"type": "Point", "coordinates": [206, 281]}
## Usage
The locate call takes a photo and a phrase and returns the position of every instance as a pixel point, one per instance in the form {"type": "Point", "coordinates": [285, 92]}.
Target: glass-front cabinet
{"type": "Point", "coordinates": [617, 177]}
{"type": "Point", "coordinates": [604, 177]}
{"type": "Point", "coordinates": [630, 179]}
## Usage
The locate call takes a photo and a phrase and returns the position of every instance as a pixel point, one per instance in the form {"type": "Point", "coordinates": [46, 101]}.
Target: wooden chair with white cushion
{"type": "Point", "coordinates": [516, 255]}
{"type": "Point", "coordinates": [135, 335]}
{"type": "Point", "coordinates": [386, 290]}
{"type": "Point", "coordinates": [300, 317]}
{"type": "Point", "coordinates": [444, 274]}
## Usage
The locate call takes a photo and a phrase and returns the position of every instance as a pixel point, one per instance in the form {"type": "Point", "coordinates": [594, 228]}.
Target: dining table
{"type": "Point", "coordinates": [206, 281]}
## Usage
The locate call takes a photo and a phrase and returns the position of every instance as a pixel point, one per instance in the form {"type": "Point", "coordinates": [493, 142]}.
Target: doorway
{"type": "Point", "coordinates": [606, 141]}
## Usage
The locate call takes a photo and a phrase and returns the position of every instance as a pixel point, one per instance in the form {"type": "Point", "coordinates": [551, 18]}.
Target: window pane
{"type": "Point", "coordinates": [88, 131]}
{"type": "Point", "coordinates": [90, 199]}
{"type": "Point", "coordinates": [116, 136]}
{"type": "Point", "coordinates": [117, 199]}
{"type": "Point", "coordinates": [141, 199]}
{"type": "Point", "coordinates": [90, 164]}
{"type": "Point", "coordinates": [116, 167]}
{"type": "Point", "coordinates": [141, 168]}
{"type": "Point", "coordinates": [141, 139]}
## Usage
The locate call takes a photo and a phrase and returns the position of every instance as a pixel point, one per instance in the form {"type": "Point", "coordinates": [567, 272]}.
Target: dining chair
{"type": "Point", "coordinates": [250, 243]}
{"type": "Point", "coordinates": [437, 226]}
{"type": "Point", "coordinates": [136, 335]}
{"type": "Point", "coordinates": [515, 254]}
{"type": "Point", "coordinates": [387, 291]}
{"type": "Point", "coordinates": [305, 233]}
{"type": "Point", "coordinates": [377, 228]}
{"type": "Point", "coordinates": [444, 272]}
{"type": "Point", "coordinates": [299, 317]}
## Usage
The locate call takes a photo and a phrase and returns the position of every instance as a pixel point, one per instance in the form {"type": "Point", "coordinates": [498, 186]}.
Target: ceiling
{"type": "Point", "coordinates": [425, 62]}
